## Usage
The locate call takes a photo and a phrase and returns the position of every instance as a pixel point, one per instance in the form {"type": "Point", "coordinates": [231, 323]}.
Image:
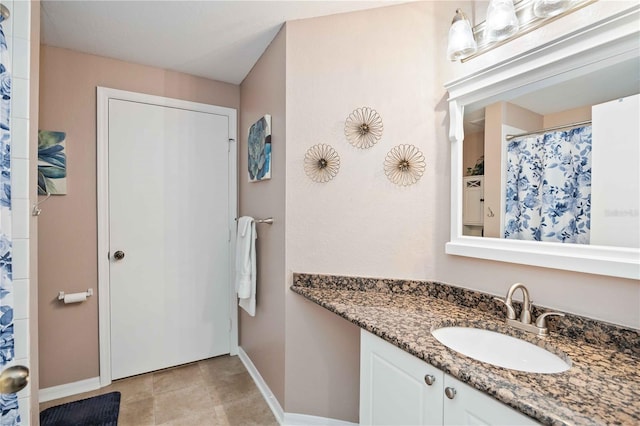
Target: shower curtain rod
{"type": "Point", "coordinates": [566, 126]}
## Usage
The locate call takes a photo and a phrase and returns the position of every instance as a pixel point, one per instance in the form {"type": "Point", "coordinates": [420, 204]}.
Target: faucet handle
{"type": "Point", "coordinates": [511, 313]}
{"type": "Point", "coordinates": [541, 322]}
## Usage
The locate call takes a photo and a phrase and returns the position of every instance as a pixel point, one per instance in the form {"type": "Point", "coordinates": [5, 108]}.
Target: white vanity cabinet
{"type": "Point", "coordinates": [394, 390]}
{"type": "Point", "coordinates": [393, 386]}
{"type": "Point", "coordinates": [469, 407]}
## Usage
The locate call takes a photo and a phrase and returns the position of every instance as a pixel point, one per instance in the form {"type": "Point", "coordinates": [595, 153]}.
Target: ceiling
{"type": "Point", "coordinates": [220, 40]}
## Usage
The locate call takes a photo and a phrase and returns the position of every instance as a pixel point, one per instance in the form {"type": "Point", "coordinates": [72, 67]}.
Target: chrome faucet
{"type": "Point", "coordinates": [526, 320]}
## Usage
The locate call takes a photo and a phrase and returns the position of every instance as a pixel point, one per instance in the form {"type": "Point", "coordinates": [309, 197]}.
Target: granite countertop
{"type": "Point", "coordinates": [601, 387]}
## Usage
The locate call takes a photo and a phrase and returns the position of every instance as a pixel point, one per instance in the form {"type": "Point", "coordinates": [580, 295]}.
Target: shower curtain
{"type": "Point", "coordinates": [548, 187]}
{"type": "Point", "coordinates": [8, 403]}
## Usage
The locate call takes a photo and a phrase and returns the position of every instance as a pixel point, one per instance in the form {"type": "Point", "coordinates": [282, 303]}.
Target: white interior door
{"type": "Point", "coordinates": [168, 215]}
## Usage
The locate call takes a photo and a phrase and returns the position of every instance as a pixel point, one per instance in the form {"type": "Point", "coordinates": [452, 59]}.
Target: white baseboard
{"type": "Point", "coordinates": [292, 419]}
{"type": "Point", "coordinates": [68, 389]}
{"type": "Point", "coordinates": [285, 419]}
{"type": "Point", "coordinates": [268, 396]}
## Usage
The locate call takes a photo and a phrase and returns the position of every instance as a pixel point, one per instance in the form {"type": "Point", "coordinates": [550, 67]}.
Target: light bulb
{"type": "Point", "coordinates": [549, 8]}
{"type": "Point", "coordinates": [461, 41]}
{"type": "Point", "coordinates": [502, 21]}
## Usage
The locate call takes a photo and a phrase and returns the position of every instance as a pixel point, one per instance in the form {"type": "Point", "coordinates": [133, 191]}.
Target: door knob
{"type": "Point", "coordinates": [14, 379]}
{"type": "Point", "coordinates": [118, 255]}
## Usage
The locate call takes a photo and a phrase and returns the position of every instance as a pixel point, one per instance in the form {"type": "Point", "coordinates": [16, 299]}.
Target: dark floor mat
{"type": "Point", "coordinates": [101, 410]}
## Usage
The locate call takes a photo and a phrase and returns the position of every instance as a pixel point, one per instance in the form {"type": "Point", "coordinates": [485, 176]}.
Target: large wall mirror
{"type": "Point", "coordinates": [546, 154]}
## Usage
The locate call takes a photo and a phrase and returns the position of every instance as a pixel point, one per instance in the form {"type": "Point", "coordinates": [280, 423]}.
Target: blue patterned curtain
{"type": "Point", "coordinates": [548, 188]}
{"type": "Point", "coordinates": [8, 403]}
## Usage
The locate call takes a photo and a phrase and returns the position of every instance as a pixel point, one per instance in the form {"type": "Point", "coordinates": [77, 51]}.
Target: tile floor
{"type": "Point", "coordinates": [215, 391]}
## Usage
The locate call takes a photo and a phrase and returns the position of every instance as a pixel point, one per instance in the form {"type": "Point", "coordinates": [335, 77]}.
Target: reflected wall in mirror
{"type": "Point", "coordinates": [559, 164]}
{"type": "Point", "coordinates": [578, 98]}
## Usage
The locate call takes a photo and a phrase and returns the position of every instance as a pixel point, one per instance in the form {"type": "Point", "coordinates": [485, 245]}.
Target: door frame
{"type": "Point", "coordinates": [102, 159]}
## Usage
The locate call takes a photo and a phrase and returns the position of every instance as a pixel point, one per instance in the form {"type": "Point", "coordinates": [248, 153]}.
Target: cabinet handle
{"type": "Point", "coordinates": [429, 379]}
{"type": "Point", "coordinates": [450, 392]}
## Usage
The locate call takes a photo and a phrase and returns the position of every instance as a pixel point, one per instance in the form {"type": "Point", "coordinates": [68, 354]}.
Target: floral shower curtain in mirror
{"type": "Point", "coordinates": [548, 187]}
{"type": "Point", "coordinates": [9, 414]}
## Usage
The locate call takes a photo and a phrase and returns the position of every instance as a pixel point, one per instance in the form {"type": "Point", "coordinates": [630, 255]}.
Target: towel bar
{"type": "Point", "coordinates": [268, 220]}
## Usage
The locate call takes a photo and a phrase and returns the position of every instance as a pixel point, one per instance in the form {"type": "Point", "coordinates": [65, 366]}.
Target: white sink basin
{"type": "Point", "coordinates": [500, 350]}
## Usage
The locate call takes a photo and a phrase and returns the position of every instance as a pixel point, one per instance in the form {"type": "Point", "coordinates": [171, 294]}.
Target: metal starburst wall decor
{"type": "Point", "coordinates": [321, 163]}
{"type": "Point", "coordinates": [404, 165]}
{"type": "Point", "coordinates": [363, 128]}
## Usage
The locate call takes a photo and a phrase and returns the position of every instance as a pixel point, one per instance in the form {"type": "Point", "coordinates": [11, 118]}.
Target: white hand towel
{"type": "Point", "coordinates": [246, 264]}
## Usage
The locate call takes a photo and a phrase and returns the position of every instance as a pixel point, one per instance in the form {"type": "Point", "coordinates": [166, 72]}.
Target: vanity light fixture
{"type": "Point", "coordinates": [461, 40]}
{"type": "Point", "coordinates": [502, 21]}
{"type": "Point", "coordinates": [506, 20]}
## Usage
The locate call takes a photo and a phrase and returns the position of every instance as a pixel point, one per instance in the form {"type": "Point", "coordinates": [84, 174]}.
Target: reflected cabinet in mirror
{"type": "Point", "coordinates": [546, 154]}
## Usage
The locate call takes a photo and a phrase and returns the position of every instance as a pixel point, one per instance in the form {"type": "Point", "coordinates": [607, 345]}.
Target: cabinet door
{"type": "Point", "coordinates": [393, 388]}
{"type": "Point", "coordinates": [469, 406]}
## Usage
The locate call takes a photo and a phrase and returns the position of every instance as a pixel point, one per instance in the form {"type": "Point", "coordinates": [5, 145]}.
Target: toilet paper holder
{"type": "Point", "coordinates": [87, 293]}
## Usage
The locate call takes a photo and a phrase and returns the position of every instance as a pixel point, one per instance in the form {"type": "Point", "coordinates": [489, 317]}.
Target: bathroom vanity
{"type": "Point", "coordinates": [409, 377]}
{"type": "Point", "coordinates": [399, 389]}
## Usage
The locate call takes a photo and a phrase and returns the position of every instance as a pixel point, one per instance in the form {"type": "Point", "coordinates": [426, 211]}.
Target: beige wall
{"type": "Point", "coordinates": [473, 149]}
{"type": "Point", "coordinates": [522, 118]}
{"type": "Point", "coordinates": [262, 337]}
{"type": "Point", "coordinates": [569, 116]}
{"type": "Point", "coordinates": [68, 335]}
{"type": "Point", "coordinates": [359, 223]}
{"type": "Point", "coordinates": [493, 117]}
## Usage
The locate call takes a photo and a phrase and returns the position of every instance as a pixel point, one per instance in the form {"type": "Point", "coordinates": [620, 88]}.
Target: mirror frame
{"type": "Point", "coordinates": [604, 43]}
